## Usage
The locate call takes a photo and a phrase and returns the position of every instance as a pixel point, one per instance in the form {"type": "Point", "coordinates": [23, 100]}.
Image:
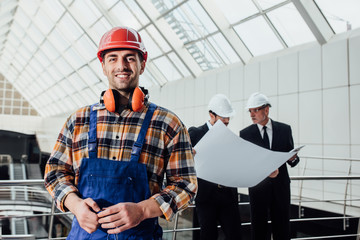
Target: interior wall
{"type": "Point", "coordinates": [45, 129]}
{"type": "Point", "coordinates": [313, 88]}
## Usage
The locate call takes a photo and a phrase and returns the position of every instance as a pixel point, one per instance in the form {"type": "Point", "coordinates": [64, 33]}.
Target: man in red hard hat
{"type": "Point", "coordinates": [109, 161]}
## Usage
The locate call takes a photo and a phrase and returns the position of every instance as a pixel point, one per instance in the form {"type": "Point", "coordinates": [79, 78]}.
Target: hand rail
{"type": "Point", "coordinates": [41, 181]}
{"type": "Point", "coordinates": [334, 177]}
{"type": "Point", "coordinates": [322, 158]}
{"type": "Point", "coordinates": [26, 182]}
{"type": "Point", "coordinates": [175, 229]}
{"type": "Point", "coordinates": [333, 158]}
{"type": "Point", "coordinates": [18, 236]}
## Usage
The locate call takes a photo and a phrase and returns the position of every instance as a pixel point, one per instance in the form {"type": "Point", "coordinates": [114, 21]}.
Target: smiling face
{"type": "Point", "coordinates": [123, 68]}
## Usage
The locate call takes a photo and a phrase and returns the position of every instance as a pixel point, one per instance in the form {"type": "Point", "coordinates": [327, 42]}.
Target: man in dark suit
{"type": "Point", "coordinates": [216, 204]}
{"type": "Point", "coordinates": [271, 197]}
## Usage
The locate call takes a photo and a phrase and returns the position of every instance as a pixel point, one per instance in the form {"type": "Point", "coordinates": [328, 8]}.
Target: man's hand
{"type": "Point", "coordinates": [293, 161]}
{"type": "Point", "coordinates": [84, 210]}
{"type": "Point", "coordinates": [274, 174]}
{"type": "Point", "coordinates": [292, 158]}
{"type": "Point", "coordinates": [123, 216]}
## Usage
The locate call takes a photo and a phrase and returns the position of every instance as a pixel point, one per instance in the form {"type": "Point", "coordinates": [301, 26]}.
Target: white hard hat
{"type": "Point", "coordinates": [221, 105]}
{"type": "Point", "coordinates": [257, 100]}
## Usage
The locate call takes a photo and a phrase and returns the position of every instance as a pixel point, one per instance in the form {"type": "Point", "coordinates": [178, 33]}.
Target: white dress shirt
{"type": "Point", "coordinates": [269, 131]}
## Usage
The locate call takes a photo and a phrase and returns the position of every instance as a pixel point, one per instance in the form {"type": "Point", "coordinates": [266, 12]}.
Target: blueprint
{"type": "Point", "coordinates": [224, 158]}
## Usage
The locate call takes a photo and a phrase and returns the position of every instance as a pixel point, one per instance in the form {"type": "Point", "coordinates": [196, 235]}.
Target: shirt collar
{"type": "Point", "coordinates": [209, 124]}
{"type": "Point", "coordinates": [268, 125]}
{"type": "Point", "coordinates": [99, 106]}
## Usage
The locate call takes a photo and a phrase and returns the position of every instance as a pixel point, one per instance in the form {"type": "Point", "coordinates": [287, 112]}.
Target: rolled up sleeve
{"type": "Point", "coordinates": [180, 175]}
{"type": "Point", "coordinates": [59, 174]}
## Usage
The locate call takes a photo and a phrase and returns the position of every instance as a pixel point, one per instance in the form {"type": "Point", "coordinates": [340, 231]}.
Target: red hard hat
{"type": "Point", "coordinates": [121, 37]}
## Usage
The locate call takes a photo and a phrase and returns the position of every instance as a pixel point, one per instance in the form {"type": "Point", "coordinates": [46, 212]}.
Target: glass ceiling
{"type": "Point", "coordinates": [48, 47]}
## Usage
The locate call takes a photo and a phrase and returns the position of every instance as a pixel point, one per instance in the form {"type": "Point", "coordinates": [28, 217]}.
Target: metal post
{"type": "Point", "coordinates": [300, 190]}
{"type": "Point", "coordinates": [175, 226]}
{"type": "Point", "coordinates": [51, 218]}
{"type": "Point", "coordinates": [358, 231]}
{"type": "Point", "coordinates": [345, 197]}
{"type": "Point", "coordinates": [23, 170]}
{"type": "Point", "coordinates": [11, 175]}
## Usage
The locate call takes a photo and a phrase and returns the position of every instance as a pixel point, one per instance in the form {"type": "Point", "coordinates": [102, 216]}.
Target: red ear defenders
{"type": "Point", "coordinates": [138, 98]}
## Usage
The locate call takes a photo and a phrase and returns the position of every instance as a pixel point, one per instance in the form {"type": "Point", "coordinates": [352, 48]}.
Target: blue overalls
{"type": "Point", "coordinates": [110, 182]}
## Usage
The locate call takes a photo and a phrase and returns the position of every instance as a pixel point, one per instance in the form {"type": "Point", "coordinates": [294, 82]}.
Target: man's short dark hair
{"type": "Point", "coordinates": [117, 49]}
{"type": "Point", "coordinates": [213, 113]}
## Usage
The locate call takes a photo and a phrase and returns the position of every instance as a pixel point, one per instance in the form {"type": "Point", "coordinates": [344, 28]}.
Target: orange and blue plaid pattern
{"type": "Point", "coordinates": [166, 150]}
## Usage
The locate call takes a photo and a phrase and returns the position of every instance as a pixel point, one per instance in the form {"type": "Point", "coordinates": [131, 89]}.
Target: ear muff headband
{"type": "Point", "coordinates": [111, 98]}
{"type": "Point", "coordinates": [136, 102]}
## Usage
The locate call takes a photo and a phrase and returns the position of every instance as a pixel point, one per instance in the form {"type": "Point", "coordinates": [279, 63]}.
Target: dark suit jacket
{"type": "Point", "coordinates": [196, 133]}
{"type": "Point", "coordinates": [272, 194]}
{"type": "Point", "coordinates": [207, 189]}
{"type": "Point", "coordinates": [282, 141]}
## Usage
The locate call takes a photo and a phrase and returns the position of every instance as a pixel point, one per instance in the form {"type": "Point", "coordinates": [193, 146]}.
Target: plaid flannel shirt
{"type": "Point", "coordinates": [167, 149]}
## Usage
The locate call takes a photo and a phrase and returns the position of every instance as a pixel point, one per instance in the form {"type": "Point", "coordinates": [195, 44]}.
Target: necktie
{"type": "Point", "coordinates": [266, 139]}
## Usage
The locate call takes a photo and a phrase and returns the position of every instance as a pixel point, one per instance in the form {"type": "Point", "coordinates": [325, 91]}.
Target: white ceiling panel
{"type": "Point", "coordinates": [48, 47]}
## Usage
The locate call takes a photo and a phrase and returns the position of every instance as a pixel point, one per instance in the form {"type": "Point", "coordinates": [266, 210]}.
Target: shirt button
{"type": "Point", "coordinates": [114, 158]}
{"type": "Point", "coordinates": [117, 137]}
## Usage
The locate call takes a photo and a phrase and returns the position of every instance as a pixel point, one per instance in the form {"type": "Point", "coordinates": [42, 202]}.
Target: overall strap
{"type": "Point", "coordinates": [136, 150]}
{"type": "Point", "coordinates": [92, 146]}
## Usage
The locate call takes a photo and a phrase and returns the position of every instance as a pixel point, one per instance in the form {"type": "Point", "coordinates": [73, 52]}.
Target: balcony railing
{"type": "Point", "coordinates": [39, 205]}
{"type": "Point", "coordinates": [175, 229]}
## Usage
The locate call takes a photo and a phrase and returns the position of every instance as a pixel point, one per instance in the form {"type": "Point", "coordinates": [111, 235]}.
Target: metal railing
{"type": "Point", "coordinates": [5, 159]}
{"type": "Point", "coordinates": [306, 160]}
{"type": "Point", "coordinates": [27, 187]}
{"type": "Point", "coordinates": [175, 229]}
